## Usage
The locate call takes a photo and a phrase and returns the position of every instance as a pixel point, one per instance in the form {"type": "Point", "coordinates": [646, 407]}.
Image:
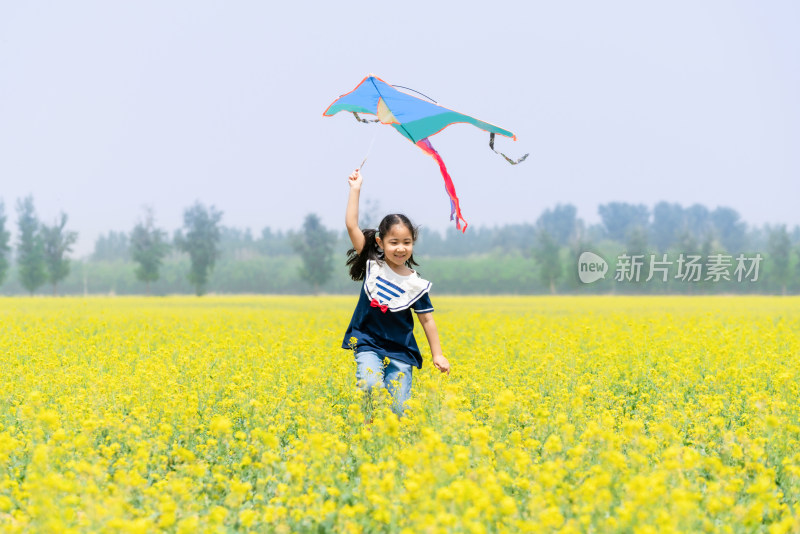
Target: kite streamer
{"type": "Point", "coordinates": [455, 208]}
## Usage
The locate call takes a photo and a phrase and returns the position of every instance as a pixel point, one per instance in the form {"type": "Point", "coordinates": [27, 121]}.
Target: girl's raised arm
{"type": "Point", "coordinates": [351, 215]}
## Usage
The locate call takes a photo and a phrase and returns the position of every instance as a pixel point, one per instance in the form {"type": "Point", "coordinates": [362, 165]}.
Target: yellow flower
{"type": "Point", "coordinates": [220, 425]}
{"type": "Point", "coordinates": [247, 517]}
{"type": "Point", "coordinates": [627, 414]}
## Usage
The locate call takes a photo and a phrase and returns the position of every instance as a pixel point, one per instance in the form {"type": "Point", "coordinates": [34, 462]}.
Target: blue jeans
{"type": "Point", "coordinates": [395, 377]}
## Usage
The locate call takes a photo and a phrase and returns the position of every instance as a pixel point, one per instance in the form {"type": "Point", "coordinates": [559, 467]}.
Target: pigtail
{"type": "Point", "coordinates": [358, 261]}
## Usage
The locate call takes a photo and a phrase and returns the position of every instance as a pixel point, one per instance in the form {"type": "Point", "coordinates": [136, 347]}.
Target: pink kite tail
{"type": "Point", "coordinates": [455, 209]}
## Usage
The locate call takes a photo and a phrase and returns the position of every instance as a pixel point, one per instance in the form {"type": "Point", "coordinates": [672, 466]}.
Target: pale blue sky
{"type": "Point", "coordinates": [109, 106]}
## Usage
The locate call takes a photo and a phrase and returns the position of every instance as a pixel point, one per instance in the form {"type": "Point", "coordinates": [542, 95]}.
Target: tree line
{"type": "Point", "coordinates": [41, 249]}
{"type": "Point", "coordinates": [536, 257]}
{"type": "Point", "coordinates": [668, 235]}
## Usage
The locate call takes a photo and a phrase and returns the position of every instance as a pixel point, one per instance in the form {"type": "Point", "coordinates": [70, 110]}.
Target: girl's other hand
{"type": "Point", "coordinates": [355, 179]}
{"type": "Point", "coordinates": [441, 363]}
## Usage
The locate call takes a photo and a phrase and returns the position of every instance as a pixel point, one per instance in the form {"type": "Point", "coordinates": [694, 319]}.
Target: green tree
{"type": "Point", "coordinates": [730, 229]}
{"type": "Point", "coordinates": [698, 219]}
{"type": "Point", "coordinates": [5, 236]}
{"type": "Point", "coordinates": [30, 248]}
{"type": "Point", "coordinates": [274, 244]}
{"type": "Point", "coordinates": [315, 245]}
{"type": "Point", "coordinates": [687, 243]}
{"type": "Point", "coordinates": [111, 246]}
{"type": "Point", "coordinates": [148, 246]}
{"type": "Point", "coordinates": [580, 243]}
{"type": "Point", "coordinates": [57, 242]}
{"type": "Point", "coordinates": [620, 217]}
{"type": "Point", "coordinates": [546, 255]}
{"type": "Point", "coordinates": [796, 278]}
{"type": "Point", "coordinates": [201, 242]}
{"type": "Point", "coordinates": [636, 241]}
{"type": "Point", "coordinates": [236, 243]}
{"type": "Point", "coordinates": [779, 248]}
{"type": "Point", "coordinates": [668, 222]}
{"type": "Point", "coordinates": [560, 223]}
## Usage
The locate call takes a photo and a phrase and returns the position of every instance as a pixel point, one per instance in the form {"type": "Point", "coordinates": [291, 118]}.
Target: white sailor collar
{"type": "Point", "coordinates": [391, 289]}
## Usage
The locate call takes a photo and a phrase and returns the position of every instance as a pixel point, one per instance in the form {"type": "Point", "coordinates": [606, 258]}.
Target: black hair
{"type": "Point", "coordinates": [358, 261]}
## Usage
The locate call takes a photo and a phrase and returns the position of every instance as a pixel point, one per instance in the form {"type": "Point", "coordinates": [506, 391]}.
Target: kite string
{"type": "Point", "coordinates": [369, 150]}
{"type": "Point", "coordinates": [410, 89]}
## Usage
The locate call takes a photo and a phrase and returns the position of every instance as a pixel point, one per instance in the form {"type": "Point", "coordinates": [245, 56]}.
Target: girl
{"type": "Point", "coordinates": [381, 331]}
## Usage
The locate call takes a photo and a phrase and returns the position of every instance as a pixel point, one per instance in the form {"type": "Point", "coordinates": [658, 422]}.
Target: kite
{"type": "Point", "coordinates": [416, 119]}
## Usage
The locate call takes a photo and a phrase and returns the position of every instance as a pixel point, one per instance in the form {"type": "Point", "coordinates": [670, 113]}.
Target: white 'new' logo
{"type": "Point", "coordinates": [591, 267]}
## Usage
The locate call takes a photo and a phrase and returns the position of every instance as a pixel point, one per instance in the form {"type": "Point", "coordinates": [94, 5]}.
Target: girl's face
{"type": "Point", "coordinates": [397, 245]}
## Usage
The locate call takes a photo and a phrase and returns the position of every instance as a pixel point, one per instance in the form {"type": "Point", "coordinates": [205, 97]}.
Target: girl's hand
{"type": "Point", "coordinates": [355, 179]}
{"type": "Point", "coordinates": [441, 363]}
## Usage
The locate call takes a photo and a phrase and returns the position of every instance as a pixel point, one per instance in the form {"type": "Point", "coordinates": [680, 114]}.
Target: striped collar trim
{"type": "Point", "coordinates": [389, 288]}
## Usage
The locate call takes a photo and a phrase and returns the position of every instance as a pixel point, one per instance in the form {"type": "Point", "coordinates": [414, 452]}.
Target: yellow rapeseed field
{"type": "Point", "coordinates": [234, 414]}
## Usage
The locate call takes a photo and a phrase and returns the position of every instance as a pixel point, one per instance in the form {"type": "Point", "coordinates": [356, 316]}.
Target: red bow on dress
{"type": "Point", "coordinates": [376, 304]}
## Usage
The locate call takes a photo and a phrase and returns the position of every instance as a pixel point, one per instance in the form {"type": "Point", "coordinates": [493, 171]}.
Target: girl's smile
{"type": "Point", "coordinates": [397, 245]}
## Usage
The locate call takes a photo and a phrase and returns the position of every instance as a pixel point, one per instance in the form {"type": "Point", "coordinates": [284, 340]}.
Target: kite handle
{"type": "Point", "coordinates": [511, 161]}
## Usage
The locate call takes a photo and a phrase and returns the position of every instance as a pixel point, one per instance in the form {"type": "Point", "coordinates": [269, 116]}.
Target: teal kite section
{"type": "Point", "coordinates": [427, 126]}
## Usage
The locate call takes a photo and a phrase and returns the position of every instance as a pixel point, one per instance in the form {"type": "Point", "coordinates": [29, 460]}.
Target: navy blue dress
{"type": "Point", "coordinates": [382, 321]}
